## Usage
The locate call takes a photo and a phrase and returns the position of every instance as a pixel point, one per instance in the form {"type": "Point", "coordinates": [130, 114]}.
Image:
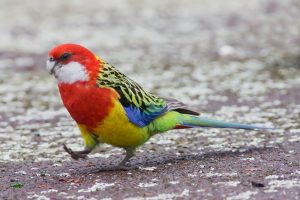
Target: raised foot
{"type": "Point", "coordinates": [77, 154]}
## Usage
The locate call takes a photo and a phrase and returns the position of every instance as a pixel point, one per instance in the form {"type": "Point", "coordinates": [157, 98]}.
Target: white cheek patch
{"type": "Point", "coordinates": [71, 72]}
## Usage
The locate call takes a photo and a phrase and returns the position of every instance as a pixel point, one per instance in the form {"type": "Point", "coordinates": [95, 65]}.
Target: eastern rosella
{"type": "Point", "coordinates": [109, 107]}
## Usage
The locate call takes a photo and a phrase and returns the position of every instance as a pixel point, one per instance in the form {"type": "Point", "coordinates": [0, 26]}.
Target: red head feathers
{"type": "Point", "coordinates": [72, 63]}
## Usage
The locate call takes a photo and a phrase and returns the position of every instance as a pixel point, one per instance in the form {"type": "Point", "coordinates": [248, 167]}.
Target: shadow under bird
{"type": "Point", "coordinates": [109, 107]}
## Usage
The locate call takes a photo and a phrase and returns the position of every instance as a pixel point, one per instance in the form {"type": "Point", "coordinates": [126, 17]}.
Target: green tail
{"type": "Point", "coordinates": [195, 121]}
{"type": "Point", "coordinates": [175, 120]}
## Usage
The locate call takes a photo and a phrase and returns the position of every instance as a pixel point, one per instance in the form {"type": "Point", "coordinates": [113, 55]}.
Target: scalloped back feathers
{"type": "Point", "coordinates": [141, 107]}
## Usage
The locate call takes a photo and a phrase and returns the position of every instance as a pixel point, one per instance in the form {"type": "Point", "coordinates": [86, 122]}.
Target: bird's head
{"type": "Point", "coordinates": [71, 63]}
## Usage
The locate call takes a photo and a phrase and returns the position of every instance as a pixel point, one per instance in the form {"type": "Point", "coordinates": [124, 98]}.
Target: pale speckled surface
{"type": "Point", "coordinates": [233, 60]}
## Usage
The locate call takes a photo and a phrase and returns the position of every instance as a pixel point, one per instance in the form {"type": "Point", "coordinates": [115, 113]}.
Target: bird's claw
{"type": "Point", "coordinates": [75, 155]}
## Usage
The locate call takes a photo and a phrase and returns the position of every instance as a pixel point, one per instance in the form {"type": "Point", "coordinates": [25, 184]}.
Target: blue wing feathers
{"type": "Point", "coordinates": [142, 118]}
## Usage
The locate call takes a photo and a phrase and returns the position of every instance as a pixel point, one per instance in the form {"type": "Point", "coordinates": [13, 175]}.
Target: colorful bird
{"type": "Point", "coordinates": [109, 107]}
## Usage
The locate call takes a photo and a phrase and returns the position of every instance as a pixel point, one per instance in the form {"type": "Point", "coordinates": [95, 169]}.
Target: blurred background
{"type": "Point", "coordinates": [232, 60]}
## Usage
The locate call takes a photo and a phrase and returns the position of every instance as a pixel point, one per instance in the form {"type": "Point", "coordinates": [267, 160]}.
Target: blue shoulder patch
{"type": "Point", "coordinates": [143, 118]}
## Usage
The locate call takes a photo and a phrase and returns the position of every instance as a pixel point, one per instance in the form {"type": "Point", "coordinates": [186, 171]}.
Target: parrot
{"type": "Point", "coordinates": [109, 107]}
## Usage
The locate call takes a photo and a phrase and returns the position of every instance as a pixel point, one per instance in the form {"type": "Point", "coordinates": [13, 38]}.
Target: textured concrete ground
{"type": "Point", "coordinates": [231, 60]}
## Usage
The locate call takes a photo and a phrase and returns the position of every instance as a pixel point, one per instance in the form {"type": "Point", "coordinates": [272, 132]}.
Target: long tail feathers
{"type": "Point", "coordinates": [189, 121]}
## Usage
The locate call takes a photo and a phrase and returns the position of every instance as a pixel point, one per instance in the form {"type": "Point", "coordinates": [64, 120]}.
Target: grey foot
{"type": "Point", "coordinates": [77, 154]}
{"type": "Point", "coordinates": [129, 154]}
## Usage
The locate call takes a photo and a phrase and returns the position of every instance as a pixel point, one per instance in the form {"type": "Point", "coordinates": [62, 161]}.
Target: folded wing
{"type": "Point", "coordinates": [141, 107]}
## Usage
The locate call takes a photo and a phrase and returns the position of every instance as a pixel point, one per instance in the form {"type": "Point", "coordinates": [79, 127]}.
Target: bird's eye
{"type": "Point", "coordinates": [65, 56]}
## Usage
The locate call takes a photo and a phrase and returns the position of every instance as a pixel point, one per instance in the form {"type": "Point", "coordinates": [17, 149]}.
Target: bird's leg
{"type": "Point", "coordinates": [77, 154]}
{"type": "Point", "coordinates": [129, 154]}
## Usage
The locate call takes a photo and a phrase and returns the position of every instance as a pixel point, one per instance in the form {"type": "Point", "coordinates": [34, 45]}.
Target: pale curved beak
{"type": "Point", "coordinates": [51, 64]}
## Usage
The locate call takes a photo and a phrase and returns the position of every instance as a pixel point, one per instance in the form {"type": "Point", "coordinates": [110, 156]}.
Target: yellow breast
{"type": "Point", "coordinates": [116, 129]}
